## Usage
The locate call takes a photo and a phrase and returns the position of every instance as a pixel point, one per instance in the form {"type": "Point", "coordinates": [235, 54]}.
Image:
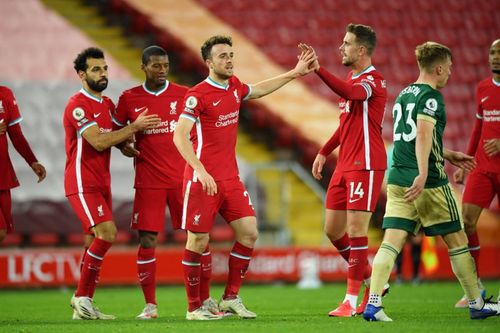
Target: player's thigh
{"type": "Point", "coordinates": [480, 189]}
{"type": "Point", "coordinates": [91, 208]}
{"type": "Point", "coordinates": [335, 223]}
{"type": "Point", "coordinates": [199, 209]}
{"type": "Point", "coordinates": [336, 194]}
{"type": "Point", "coordinates": [400, 214]}
{"type": "Point", "coordinates": [439, 211]}
{"type": "Point", "coordinates": [236, 201]}
{"type": "Point", "coordinates": [149, 210]}
{"type": "Point", "coordinates": [363, 189]}
{"type": "Point", "coordinates": [6, 221]}
{"type": "Point", "coordinates": [174, 201]}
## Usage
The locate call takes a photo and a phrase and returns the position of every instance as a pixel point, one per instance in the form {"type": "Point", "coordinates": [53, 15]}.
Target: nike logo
{"type": "Point", "coordinates": [216, 103]}
{"type": "Point", "coordinates": [351, 201]}
{"type": "Point", "coordinates": [484, 99]}
{"type": "Point", "coordinates": [193, 284]}
{"type": "Point", "coordinates": [97, 114]}
{"type": "Point", "coordinates": [144, 108]}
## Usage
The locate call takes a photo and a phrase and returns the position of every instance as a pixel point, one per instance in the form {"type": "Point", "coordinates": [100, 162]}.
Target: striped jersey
{"type": "Point", "coordinates": [215, 109]}
{"type": "Point", "coordinates": [361, 143]}
{"type": "Point", "coordinates": [87, 170]}
{"type": "Point", "coordinates": [10, 115]}
{"type": "Point", "coordinates": [417, 101]}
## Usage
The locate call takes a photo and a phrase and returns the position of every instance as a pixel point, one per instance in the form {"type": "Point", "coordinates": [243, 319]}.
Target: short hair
{"type": "Point", "coordinates": [80, 62]}
{"type": "Point", "coordinates": [153, 50]}
{"type": "Point", "coordinates": [206, 48]}
{"type": "Point", "coordinates": [430, 53]}
{"type": "Point", "coordinates": [365, 35]}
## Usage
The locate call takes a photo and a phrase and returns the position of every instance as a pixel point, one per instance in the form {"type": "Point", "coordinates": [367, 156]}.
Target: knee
{"type": "Point", "coordinates": [252, 236]}
{"type": "Point", "coordinates": [197, 242]}
{"type": "Point", "coordinates": [3, 233]}
{"type": "Point", "coordinates": [148, 240]}
{"type": "Point", "coordinates": [332, 234]}
{"type": "Point", "coordinates": [106, 231]}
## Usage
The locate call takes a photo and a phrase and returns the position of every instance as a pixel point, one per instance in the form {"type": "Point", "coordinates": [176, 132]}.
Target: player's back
{"type": "Point", "coordinates": [417, 102]}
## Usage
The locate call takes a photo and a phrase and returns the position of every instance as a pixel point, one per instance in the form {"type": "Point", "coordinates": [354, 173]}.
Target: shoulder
{"type": "Point", "coordinates": [178, 89]}
{"type": "Point", "coordinates": [6, 92]}
{"type": "Point", "coordinates": [108, 101]}
{"type": "Point", "coordinates": [484, 84]}
{"type": "Point", "coordinates": [130, 92]}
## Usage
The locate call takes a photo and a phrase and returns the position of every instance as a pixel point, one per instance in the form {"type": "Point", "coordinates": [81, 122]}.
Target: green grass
{"type": "Point", "coordinates": [424, 308]}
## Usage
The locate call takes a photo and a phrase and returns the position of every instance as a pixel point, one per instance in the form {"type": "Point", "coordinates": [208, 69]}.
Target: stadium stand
{"type": "Point", "coordinates": [266, 33]}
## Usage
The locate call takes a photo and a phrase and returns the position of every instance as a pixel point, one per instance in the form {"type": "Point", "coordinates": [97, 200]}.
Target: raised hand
{"type": "Point", "coordinates": [305, 60]}
{"type": "Point", "coordinates": [314, 65]}
{"type": "Point", "coordinates": [461, 160]}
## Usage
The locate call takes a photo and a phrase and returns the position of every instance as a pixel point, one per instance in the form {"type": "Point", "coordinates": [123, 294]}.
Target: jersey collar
{"type": "Point", "coordinates": [89, 95]}
{"type": "Point", "coordinates": [367, 70]}
{"type": "Point", "coordinates": [156, 93]}
{"type": "Point", "coordinates": [216, 85]}
{"type": "Point", "coordinates": [495, 82]}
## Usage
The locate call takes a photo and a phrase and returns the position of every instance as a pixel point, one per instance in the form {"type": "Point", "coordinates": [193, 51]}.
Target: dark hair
{"type": "Point", "coordinates": [206, 48]}
{"type": "Point", "coordinates": [153, 50]}
{"type": "Point", "coordinates": [365, 35]}
{"type": "Point", "coordinates": [80, 62]}
{"type": "Point", "coordinates": [430, 53]}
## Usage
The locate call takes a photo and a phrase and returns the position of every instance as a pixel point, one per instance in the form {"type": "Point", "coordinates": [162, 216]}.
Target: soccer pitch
{"type": "Point", "coordinates": [427, 307]}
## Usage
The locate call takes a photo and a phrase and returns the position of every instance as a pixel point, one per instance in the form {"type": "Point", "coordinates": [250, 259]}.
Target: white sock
{"type": "Point", "coordinates": [477, 303]}
{"type": "Point", "coordinates": [353, 300]}
{"type": "Point", "coordinates": [375, 300]}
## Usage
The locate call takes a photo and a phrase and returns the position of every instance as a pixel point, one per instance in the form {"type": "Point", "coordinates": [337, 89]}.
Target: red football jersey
{"type": "Point", "coordinates": [87, 170]}
{"type": "Point", "coordinates": [215, 110]}
{"type": "Point", "coordinates": [9, 114]}
{"type": "Point", "coordinates": [159, 165]}
{"type": "Point", "coordinates": [361, 143]}
{"type": "Point", "coordinates": [488, 110]}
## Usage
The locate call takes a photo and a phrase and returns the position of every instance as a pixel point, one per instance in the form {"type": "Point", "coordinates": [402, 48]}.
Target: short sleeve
{"type": "Point", "coordinates": [10, 104]}
{"type": "Point", "coordinates": [80, 117]}
{"type": "Point", "coordinates": [120, 116]}
{"type": "Point", "coordinates": [193, 106]}
{"type": "Point", "coordinates": [428, 107]}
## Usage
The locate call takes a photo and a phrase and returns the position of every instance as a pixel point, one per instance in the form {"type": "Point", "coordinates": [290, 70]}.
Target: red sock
{"type": "Point", "coordinates": [474, 249]}
{"type": "Point", "coordinates": [239, 260]}
{"type": "Point", "coordinates": [91, 267]}
{"type": "Point", "coordinates": [146, 272]}
{"type": "Point", "coordinates": [357, 264]}
{"type": "Point", "coordinates": [83, 258]}
{"type": "Point", "coordinates": [192, 276]}
{"type": "Point", "coordinates": [343, 245]}
{"type": "Point", "coordinates": [206, 274]}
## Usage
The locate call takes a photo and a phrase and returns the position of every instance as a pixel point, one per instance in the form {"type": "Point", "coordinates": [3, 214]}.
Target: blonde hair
{"type": "Point", "coordinates": [430, 53]}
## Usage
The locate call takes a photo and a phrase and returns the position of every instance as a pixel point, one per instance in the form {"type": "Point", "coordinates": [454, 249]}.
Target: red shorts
{"type": "Point", "coordinates": [91, 208]}
{"type": "Point", "coordinates": [149, 208]}
{"type": "Point", "coordinates": [5, 211]}
{"type": "Point", "coordinates": [232, 202]}
{"type": "Point", "coordinates": [354, 190]}
{"type": "Point", "coordinates": [481, 188]}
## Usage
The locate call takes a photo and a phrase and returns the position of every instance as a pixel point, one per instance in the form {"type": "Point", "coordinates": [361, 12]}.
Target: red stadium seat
{"type": "Point", "coordinates": [44, 239]}
{"type": "Point", "coordinates": [13, 239]}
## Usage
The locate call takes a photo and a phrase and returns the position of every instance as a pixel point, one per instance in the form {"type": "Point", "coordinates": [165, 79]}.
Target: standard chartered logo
{"type": "Point", "coordinates": [227, 119]}
{"type": "Point", "coordinates": [162, 128]}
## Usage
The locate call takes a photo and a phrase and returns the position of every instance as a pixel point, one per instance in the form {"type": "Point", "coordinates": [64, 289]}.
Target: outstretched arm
{"type": "Point", "coordinates": [343, 89]}
{"type": "Point", "coordinates": [266, 87]}
{"type": "Point", "coordinates": [102, 141]}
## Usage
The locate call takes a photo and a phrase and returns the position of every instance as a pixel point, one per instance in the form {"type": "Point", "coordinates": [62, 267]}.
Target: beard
{"type": "Point", "coordinates": [496, 71]}
{"type": "Point", "coordinates": [97, 86]}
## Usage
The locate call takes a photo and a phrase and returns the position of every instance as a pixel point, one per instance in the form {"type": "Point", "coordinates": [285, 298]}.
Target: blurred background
{"type": "Point", "coordinates": [279, 136]}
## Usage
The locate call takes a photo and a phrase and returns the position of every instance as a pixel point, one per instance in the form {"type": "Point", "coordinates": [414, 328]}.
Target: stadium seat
{"type": "Point", "coordinates": [44, 239]}
{"type": "Point", "coordinates": [12, 240]}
